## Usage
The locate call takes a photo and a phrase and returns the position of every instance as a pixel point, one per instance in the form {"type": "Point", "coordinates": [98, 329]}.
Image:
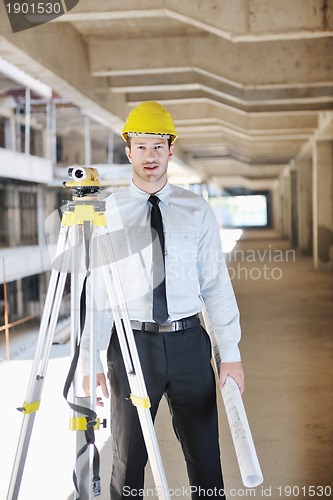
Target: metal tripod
{"type": "Point", "coordinates": [81, 218]}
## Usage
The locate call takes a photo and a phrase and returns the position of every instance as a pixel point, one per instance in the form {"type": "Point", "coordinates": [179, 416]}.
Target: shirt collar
{"type": "Point", "coordinates": [142, 196]}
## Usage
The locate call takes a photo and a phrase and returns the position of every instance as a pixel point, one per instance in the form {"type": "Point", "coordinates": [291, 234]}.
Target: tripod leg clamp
{"type": "Point", "coordinates": [80, 424]}
{"type": "Point", "coordinates": [28, 408]}
{"type": "Point", "coordinates": [140, 402]}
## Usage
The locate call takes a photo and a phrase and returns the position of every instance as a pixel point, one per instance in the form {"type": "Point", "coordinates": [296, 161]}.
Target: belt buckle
{"type": "Point", "coordinates": [166, 328]}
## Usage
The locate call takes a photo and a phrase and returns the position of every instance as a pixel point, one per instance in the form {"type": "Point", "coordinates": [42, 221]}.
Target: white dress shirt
{"type": "Point", "coordinates": [194, 262]}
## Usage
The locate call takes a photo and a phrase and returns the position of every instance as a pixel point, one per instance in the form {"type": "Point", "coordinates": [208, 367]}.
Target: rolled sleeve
{"type": "Point", "coordinates": [217, 291]}
{"type": "Point", "coordinates": [103, 325]}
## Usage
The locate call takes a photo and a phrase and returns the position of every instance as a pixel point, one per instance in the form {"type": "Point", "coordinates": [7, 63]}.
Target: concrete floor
{"type": "Point", "coordinates": [287, 346]}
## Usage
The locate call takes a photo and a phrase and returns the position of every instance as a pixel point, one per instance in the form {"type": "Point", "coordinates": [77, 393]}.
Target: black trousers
{"type": "Point", "coordinates": [176, 365]}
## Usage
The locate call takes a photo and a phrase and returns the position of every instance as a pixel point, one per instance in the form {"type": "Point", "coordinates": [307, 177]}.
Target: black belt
{"type": "Point", "coordinates": [174, 326]}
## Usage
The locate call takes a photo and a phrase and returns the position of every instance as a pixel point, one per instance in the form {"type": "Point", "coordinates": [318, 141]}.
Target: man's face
{"type": "Point", "coordinates": [149, 157]}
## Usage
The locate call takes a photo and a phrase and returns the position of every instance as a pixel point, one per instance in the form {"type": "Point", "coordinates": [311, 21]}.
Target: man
{"type": "Point", "coordinates": [174, 349]}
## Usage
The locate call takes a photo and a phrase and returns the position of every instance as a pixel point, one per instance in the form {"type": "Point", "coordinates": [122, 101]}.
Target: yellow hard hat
{"type": "Point", "coordinates": [149, 118]}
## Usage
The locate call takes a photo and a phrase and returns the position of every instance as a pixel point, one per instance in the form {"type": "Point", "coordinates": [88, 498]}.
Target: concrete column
{"type": "Point", "coordinates": [12, 133]}
{"type": "Point", "coordinates": [281, 202]}
{"type": "Point", "coordinates": [13, 216]}
{"type": "Point", "coordinates": [305, 222]}
{"type": "Point", "coordinates": [41, 215]}
{"type": "Point", "coordinates": [323, 204]}
{"type": "Point", "coordinates": [47, 133]}
{"type": "Point", "coordinates": [293, 207]}
{"type": "Point", "coordinates": [285, 204]}
{"type": "Point", "coordinates": [53, 132]}
{"type": "Point", "coordinates": [27, 121]}
{"type": "Point", "coordinates": [19, 299]}
{"type": "Point", "coordinates": [276, 209]}
{"type": "Point", "coordinates": [18, 146]}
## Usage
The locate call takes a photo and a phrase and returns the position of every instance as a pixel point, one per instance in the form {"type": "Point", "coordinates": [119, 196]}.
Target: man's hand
{"type": "Point", "coordinates": [100, 382]}
{"type": "Point", "coordinates": [234, 370]}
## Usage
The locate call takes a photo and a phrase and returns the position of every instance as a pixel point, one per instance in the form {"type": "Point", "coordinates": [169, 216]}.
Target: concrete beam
{"type": "Point", "coordinates": [235, 20]}
{"type": "Point", "coordinates": [246, 97]}
{"type": "Point", "coordinates": [252, 64]}
{"type": "Point", "coordinates": [193, 112]}
{"type": "Point", "coordinates": [250, 20]}
{"type": "Point", "coordinates": [269, 149]}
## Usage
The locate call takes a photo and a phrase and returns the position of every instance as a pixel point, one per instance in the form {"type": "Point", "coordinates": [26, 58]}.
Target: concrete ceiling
{"type": "Point", "coordinates": [248, 82]}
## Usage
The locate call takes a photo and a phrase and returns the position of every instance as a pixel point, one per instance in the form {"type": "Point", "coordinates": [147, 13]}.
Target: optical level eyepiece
{"type": "Point", "coordinates": [85, 181]}
{"type": "Point", "coordinates": [77, 173]}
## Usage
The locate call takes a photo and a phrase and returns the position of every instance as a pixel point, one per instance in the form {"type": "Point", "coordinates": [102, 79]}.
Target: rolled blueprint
{"type": "Point", "coordinates": [239, 427]}
{"type": "Point", "coordinates": [241, 435]}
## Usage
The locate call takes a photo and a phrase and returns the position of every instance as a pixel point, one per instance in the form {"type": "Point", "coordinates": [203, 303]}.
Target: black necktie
{"type": "Point", "coordinates": [160, 310]}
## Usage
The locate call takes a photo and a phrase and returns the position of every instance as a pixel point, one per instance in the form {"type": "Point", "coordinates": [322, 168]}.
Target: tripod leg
{"type": "Point", "coordinates": [131, 359]}
{"type": "Point", "coordinates": [37, 376]}
{"type": "Point", "coordinates": [84, 465]}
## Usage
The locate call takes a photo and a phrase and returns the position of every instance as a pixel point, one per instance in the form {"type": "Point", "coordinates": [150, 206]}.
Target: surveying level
{"type": "Point", "coordinates": [83, 219]}
{"type": "Point", "coordinates": [85, 181]}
